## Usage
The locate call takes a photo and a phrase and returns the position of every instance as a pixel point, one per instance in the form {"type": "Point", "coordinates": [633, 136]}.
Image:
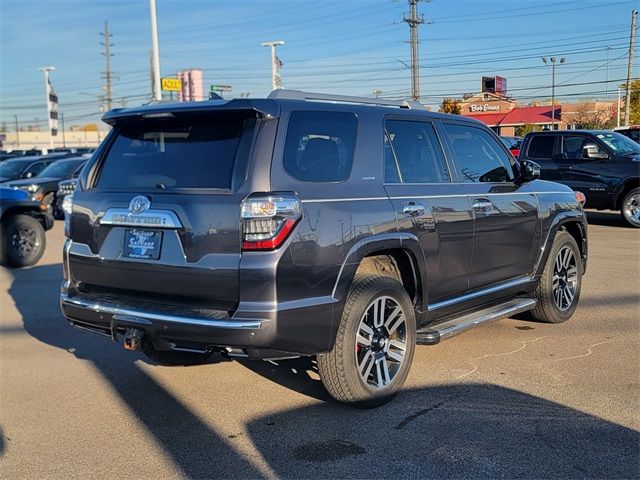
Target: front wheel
{"type": "Point", "coordinates": [631, 208]}
{"type": "Point", "coordinates": [374, 345]}
{"type": "Point", "coordinates": [23, 241]}
{"type": "Point", "coordinates": [558, 291]}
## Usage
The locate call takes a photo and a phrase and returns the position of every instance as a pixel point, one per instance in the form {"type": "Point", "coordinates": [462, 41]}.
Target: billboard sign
{"type": "Point", "coordinates": [497, 85]}
{"type": "Point", "coordinates": [171, 84]}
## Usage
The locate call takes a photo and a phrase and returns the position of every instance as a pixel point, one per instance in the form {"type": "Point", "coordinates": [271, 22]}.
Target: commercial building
{"type": "Point", "coordinates": [192, 85]}
{"type": "Point", "coordinates": [503, 115]}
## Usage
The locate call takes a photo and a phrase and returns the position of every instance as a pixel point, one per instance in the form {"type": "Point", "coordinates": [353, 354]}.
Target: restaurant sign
{"type": "Point", "coordinates": [484, 108]}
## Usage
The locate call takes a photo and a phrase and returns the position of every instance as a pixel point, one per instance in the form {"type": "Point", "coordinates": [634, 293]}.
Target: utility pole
{"type": "Point", "coordinates": [632, 39]}
{"type": "Point", "coordinates": [107, 75]}
{"type": "Point", "coordinates": [553, 88]}
{"type": "Point", "coordinates": [414, 22]}
{"type": "Point", "coordinates": [47, 93]}
{"type": "Point", "coordinates": [17, 131]}
{"type": "Point", "coordinates": [64, 139]}
{"type": "Point", "coordinates": [276, 80]}
{"type": "Point", "coordinates": [618, 122]}
{"type": "Point", "coordinates": [155, 53]}
{"type": "Point", "coordinates": [606, 84]}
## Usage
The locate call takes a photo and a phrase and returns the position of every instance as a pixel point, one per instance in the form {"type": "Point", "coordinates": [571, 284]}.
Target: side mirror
{"type": "Point", "coordinates": [27, 175]}
{"type": "Point", "coordinates": [591, 150]}
{"type": "Point", "coordinates": [529, 171]}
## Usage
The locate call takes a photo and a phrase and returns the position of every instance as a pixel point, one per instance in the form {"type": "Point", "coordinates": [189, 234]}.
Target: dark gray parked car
{"type": "Point", "coordinates": [302, 224]}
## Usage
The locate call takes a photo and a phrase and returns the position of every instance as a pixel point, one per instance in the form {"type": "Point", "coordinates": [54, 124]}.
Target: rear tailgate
{"type": "Point", "coordinates": [159, 217]}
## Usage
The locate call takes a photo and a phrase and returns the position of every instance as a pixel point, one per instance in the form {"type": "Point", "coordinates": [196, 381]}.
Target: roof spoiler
{"type": "Point", "coordinates": [282, 94]}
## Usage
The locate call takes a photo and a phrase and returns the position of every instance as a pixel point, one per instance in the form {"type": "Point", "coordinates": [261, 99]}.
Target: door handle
{"type": "Point", "coordinates": [412, 208]}
{"type": "Point", "coordinates": [482, 204]}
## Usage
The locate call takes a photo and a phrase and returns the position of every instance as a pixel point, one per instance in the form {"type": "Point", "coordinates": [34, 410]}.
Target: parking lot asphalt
{"type": "Point", "coordinates": [508, 399]}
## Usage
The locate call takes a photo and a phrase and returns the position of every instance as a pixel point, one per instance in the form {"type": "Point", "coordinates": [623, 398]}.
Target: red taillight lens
{"type": "Point", "coordinates": [268, 219]}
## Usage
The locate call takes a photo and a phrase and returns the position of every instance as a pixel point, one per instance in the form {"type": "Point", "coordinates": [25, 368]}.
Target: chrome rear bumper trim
{"type": "Point", "coordinates": [115, 310]}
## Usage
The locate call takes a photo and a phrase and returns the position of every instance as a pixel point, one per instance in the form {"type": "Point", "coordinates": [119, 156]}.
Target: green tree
{"type": "Point", "coordinates": [522, 130]}
{"type": "Point", "coordinates": [450, 105]}
{"type": "Point", "coordinates": [634, 104]}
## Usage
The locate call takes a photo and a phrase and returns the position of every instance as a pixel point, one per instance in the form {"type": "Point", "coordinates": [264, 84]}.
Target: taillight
{"type": "Point", "coordinates": [268, 219]}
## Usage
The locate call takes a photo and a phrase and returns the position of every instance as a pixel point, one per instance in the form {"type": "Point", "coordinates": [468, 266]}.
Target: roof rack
{"type": "Point", "coordinates": [282, 94]}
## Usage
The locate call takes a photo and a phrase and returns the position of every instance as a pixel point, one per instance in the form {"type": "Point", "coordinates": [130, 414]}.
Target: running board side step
{"type": "Point", "coordinates": [435, 333]}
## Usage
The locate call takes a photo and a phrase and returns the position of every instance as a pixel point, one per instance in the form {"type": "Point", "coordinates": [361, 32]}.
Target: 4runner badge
{"type": "Point", "coordinates": [139, 204]}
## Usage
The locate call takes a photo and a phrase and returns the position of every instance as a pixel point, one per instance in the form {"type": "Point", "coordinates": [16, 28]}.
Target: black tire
{"type": "Point", "coordinates": [630, 208]}
{"type": "Point", "coordinates": [172, 359]}
{"type": "Point", "coordinates": [551, 297]}
{"type": "Point", "coordinates": [339, 369]}
{"type": "Point", "coordinates": [23, 241]}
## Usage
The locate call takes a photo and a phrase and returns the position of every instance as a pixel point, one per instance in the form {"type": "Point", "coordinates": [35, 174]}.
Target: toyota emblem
{"type": "Point", "coordinates": [139, 204]}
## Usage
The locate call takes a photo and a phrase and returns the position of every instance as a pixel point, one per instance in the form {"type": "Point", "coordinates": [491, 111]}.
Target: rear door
{"type": "Point", "coordinates": [160, 217]}
{"type": "Point", "coordinates": [507, 228]}
{"type": "Point", "coordinates": [428, 204]}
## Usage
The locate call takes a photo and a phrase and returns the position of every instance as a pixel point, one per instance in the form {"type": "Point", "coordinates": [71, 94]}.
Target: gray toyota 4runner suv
{"type": "Point", "coordinates": [347, 228]}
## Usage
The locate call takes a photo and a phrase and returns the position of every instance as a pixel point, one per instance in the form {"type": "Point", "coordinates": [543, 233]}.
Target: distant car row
{"type": "Point", "coordinates": [39, 176]}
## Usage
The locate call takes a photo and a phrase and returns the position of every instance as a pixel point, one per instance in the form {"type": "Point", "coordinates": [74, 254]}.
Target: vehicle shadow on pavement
{"type": "Point", "coordinates": [445, 431]}
{"type": "Point", "coordinates": [606, 219]}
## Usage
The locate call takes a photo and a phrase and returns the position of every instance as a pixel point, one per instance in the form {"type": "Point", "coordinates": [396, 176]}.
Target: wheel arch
{"type": "Point", "coordinates": [627, 186]}
{"type": "Point", "coordinates": [573, 223]}
{"type": "Point", "coordinates": [397, 255]}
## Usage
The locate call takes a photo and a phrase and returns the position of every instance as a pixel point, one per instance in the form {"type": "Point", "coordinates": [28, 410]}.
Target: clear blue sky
{"type": "Point", "coordinates": [339, 46]}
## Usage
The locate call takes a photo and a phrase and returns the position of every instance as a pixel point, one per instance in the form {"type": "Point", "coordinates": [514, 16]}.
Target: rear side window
{"type": "Point", "coordinates": [413, 153]}
{"type": "Point", "coordinates": [319, 145]}
{"type": "Point", "coordinates": [478, 156]}
{"type": "Point", "coordinates": [541, 146]}
{"type": "Point", "coordinates": [176, 153]}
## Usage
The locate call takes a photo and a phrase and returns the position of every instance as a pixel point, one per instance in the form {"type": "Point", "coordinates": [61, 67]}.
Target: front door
{"type": "Point", "coordinates": [507, 228]}
{"type": "Point", "coordinates": [428, 204]}
{"type": "Point", "coordinates": [590, 176]}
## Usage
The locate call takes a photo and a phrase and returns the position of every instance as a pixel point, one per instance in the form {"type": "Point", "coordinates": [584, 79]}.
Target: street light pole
{"type": "Point", "coordinates": [276, 81]}
{"type": "Point", "coordinates": [553, 88]}
{"type": "Point", "coordinates": [46, 71]}
{"type": "Point", "coordinates": [18, 131]}
{"type": "Point", "coordinates": [155, 53]}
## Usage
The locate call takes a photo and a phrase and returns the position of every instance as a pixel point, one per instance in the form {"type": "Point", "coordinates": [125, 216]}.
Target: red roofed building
{"type": "Point", "coordinates": [506, 123]}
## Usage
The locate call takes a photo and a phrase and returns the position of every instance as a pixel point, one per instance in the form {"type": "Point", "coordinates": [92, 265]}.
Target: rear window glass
{"type": "Point", "coordinates": [319, 146]}
{"type": "Point", "coordinates": [176, 153]}
{"type": "Point", "coordinates": [541, 146]}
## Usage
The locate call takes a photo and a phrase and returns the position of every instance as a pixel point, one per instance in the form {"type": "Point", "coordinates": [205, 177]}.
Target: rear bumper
{"type": "Point", "coordinates": [302, 330]}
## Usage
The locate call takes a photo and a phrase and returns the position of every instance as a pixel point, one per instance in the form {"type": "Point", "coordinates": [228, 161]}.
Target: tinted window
{"type": "Point", "coordinates": [413, 154]}
{"type": "Point", "coordinates": [572, 147]}
{"type": "Point", "coordinates": [319, 146]}
{"type": "Point", "coordinates": [13, 168]}
{"type": "Point", "coordinates": [176, 153]}
{"type": "Point", "coordinates": [35, 169]}
{"type": "Point", "coordinates": [478, 155]}
{"type": "Point", "coordinates": [62, 168]}
{"type": "Point", "coordinates": [541, 146]}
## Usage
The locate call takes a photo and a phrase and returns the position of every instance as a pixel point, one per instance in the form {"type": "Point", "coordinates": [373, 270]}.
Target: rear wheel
{"type": "Point", "coordinates": [558, 291]}
{"type": "Point", "coordinates": [23, 241]}
{"type": "Point", "coordinates": [173, 358]}
{"type": "Point", "coordinates": [631, 208]}
{"type": "Point", "coordinates": [374, 346]}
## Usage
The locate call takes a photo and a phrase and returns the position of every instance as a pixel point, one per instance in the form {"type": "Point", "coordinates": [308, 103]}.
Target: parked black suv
{"type": "Point", "coordinates": [44, 187]}
{"type": "Point", "coordinates": [307, 224]}
{"type": "Point", "coordinates": [603, 165]}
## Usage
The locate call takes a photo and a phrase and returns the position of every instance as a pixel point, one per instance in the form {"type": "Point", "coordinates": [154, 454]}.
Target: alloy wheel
{"type": "Point", "coordinates": [565, 278]}
{"type": "Point", "coordinates": [631, 209]}
{"type": "Point", "coordinates": [381, 342]}
{"type": "Point", "coordinates": [25, 241]}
